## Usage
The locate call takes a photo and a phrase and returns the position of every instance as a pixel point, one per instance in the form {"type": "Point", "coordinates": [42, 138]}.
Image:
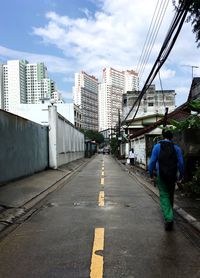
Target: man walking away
{"type": "Point", "coordinates": [167, 158]}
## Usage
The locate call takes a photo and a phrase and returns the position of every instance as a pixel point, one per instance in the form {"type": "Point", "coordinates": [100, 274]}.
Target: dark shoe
{"type": "Point", "coordinates": [169, 226]}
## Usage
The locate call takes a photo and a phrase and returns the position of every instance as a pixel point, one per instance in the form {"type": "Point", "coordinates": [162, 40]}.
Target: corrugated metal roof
{"type": "Point", "coordinates": [181, 113]}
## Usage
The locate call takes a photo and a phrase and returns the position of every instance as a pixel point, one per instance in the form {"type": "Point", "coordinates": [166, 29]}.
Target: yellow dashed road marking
{"type": "Point", "coordinates": [101, 199]}
{"type": "Point", "coordinates": [102, 181]}
{"type": "Point", "coordinates": [96, 268]}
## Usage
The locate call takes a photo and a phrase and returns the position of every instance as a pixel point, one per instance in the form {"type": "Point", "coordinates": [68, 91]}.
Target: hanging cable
{"type": "Point", "coordinates": [166, 108]}
{"type": "Point", "coordinates": [149, 36]}
{"type": "Point", "coordinates": [164, 52]}
{"type": "Point", "coordinates": [165, 117]}
{"type": "Point", "coordinates": [163, 97]}
{"type": "Point", "coordinates": [143, 49]}
{"type": "Point", "coordinates": [153, 38]}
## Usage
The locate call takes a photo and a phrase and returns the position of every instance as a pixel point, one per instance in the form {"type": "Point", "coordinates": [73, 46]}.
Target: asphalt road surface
{"type": "Point", "coordinates": [101, 223]}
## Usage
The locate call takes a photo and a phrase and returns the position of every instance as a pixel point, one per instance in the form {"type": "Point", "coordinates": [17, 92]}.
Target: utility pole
{"type": "Point", "coordinates": [119, 133]}
{"type": "Point", "coordinates": [192, 67]}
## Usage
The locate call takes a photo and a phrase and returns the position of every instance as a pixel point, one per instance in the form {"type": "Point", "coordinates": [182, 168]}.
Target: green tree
{"type": "Point", "coordinates": [193, 17]}
{"type": "Point", "coordinates": [94, 136]}
{"type": "Point", "coordinates": [114, 146]}
{"type": "Point", "coordinates": [193, 121]}
{"type": "Point", "coordinates": [193, 186]}
{"type": "Point", "coordinates": [194, 105]}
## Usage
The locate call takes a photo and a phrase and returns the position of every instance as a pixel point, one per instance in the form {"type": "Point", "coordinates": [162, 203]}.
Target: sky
{"type": "Point", "coordinates": [89, 35]}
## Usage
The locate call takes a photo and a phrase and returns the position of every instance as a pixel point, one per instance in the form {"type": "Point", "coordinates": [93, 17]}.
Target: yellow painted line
{"type": "Point", "coordinates": [102, 173]}
{"type": "Point", "coordinates": [96, 268]}
{"type": "Point", "coordinates": [102, 181]}
{"type": "Point", "coordinates": [101, 199]}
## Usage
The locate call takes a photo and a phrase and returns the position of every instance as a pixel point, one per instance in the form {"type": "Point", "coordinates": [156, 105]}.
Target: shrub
{"type": "Point", "coordinates": [193, 186]}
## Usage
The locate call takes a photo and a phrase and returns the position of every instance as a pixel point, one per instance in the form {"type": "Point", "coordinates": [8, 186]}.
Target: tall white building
{"type": "Point", "coordinates": [131, 80]}
{"type": "Point", "coordinates": [114, 84]}
{"type": "Point", "coordinates": [38, 84]}
{"type": "Point", "coordinates": [85, 95]}
{"type": "Point", "coordinates": [1, 87]}
{"type": "Point", "coordinates": [21, 83]}
{"type": "Point", "coordinates": [14, 84]}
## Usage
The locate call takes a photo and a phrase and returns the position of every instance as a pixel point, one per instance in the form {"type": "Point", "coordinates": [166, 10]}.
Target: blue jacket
{"type": "Point", "coordinates": [154, 160]}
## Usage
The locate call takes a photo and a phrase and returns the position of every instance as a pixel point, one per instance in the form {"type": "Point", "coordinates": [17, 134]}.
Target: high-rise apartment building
{"type": "Point", "coordinates": [14, 84]}
{"type": "Point", "coordinates": [114, 84]}
{"type": "Point", "coordinates": [24, 83]}
{"type": "Point", "coordinates": [1, 87]}
{"type": "Point", "coordinates": [38, 83]}
{"type": "Point", "coordinates": [131, 80]}
{"type": "Point", "coordinates": [85, 96]}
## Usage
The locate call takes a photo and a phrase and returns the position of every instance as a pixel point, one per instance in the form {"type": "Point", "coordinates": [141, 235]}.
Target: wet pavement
{"type": "Point", "coordinates": [75, 233]}
{"type": "Point", "coordinates": [184, 205]}
{"type": "Point", "coordinates": [17, 198]}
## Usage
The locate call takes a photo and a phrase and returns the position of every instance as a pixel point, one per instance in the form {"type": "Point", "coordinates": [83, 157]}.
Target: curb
{"type": "Point", "coordinates": [186, 216]}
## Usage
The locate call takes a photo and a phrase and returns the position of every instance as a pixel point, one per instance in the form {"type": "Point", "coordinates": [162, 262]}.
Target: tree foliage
{"type": "Point", "coordinates": [195, 105]}
{"type": "Point", "coordinates": [193, 17]}
{"type": "Point", "coordinates": [94, 135]}
{"type": "Point", "coordinates": [193, 186]}
{"type": "Point", "coordinates": [114, 146]}
{"type": "Point", "coordinates": [192, 121]}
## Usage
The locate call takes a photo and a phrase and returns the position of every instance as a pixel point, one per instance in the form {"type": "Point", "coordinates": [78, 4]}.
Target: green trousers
{"type": "Point", "coordinates": [166, 193]}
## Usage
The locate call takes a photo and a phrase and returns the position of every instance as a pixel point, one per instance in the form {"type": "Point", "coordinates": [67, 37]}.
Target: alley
{"type": "Point", "coordinates": [101, 223]}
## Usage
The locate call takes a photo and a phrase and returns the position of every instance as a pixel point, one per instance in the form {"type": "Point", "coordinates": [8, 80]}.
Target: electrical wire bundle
{"type": "Point", "coordinates": [154, 28]}
{"type": "Point", "coordinates": [166, 48]}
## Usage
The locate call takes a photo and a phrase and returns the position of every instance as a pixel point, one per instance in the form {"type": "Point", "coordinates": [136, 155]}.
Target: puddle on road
{"type": "Point", "coordinates": [83, 204]}
{"type": "Point", "coordinates": [49, 205]}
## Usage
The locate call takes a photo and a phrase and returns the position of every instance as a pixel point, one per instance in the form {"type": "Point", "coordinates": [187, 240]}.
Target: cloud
{"type": "Point", "coordinates": [167, 73]}
{"type": "Point", "coordinates": [54, 64]}
{"type": "Point", "coordinates": [181, 95]}
{"type": "Point", "coordinates": [66, 95]}
{"type": "Point", "coordinates": [113, 35]}
{"type": "Point", "coordinates": [68, 79]}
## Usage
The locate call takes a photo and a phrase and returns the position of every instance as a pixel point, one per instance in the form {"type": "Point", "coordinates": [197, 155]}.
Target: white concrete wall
{"type": "Point", "coordinates": [66, 143]}
{"type": "Point", "coordinates": [27, 147]}
{"type": "Point", "coordinates": [139, 146]}
{"type": "Point", "coordinates": [124, 149]}
{"type": "Point", "coordinates": [39, 112]}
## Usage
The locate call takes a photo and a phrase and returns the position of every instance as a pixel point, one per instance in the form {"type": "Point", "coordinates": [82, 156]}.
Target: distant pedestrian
{"type": "Point", "coordinates": [132, 156]}
{"type": "Point", "coordinates": [167, 158]}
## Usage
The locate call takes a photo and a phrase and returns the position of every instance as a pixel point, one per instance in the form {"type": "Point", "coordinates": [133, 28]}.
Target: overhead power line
{"type": "Point", "coordinates": [146, 40]}
{"type": "Point", "coordinates": [153, 36]}
{"type": "Point", "coordinates": [166, 48]}
{"type": "Point", "coordinates": [161, 87]}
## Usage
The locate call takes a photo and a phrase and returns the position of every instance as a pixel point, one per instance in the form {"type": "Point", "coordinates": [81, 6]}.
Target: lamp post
{"type": "Point", "coordinates": [119, 138]}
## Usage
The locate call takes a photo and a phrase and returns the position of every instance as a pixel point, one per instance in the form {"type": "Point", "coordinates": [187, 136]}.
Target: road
{"type": "Point", "coordinates": [101, 223]}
